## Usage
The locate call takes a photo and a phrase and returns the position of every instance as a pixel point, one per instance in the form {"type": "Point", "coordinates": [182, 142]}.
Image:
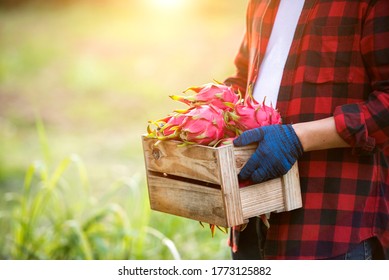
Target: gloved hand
{"type": "Point", "coordinates": [278, 149]}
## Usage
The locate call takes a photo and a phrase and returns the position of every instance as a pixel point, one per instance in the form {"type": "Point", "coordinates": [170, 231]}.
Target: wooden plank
{"type": "Point", "coordinates": [242, 155]}
{"type": "Point", "coordinates": [291, 189]}
{"type": "Point", "coordinates": [193, 161]}
{"type": "Point", "coordinates": [187, 200]}
{"type": "Point", "coordinates": [230, 186]}
{"type": "Point", "coordinates": [276, 195]}
{"type": "Point", "coordinates": [262, 198]}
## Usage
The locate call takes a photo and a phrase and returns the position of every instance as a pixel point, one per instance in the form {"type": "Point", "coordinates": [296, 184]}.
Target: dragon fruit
{"type": "Point", "coordinates": [204, 125]}
{"type": "Point", "coordinates": [251, 114]}
{"type": "Point", "coordinates": [215, 94]}
{"type": "Point", "coordinates": [216, 115]}
{"type": "Point", "coordinates": [166, 128]}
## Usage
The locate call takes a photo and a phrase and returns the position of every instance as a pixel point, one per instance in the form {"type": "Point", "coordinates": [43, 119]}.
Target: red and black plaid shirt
{"type": "Point", "coordinates": [338, 65]}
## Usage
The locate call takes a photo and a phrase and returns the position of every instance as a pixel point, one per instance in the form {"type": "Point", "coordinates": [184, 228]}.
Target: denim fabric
{"type": "Point", "coordinates": [369, 249]}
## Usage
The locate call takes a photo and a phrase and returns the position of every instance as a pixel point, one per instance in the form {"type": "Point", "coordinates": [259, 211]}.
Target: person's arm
{"type": "Point", "coordinates": [319, 135]}
{"type": "Point", "coordinates": [365, 125]}
{"type": "Point", "coordinates": [279, 146]}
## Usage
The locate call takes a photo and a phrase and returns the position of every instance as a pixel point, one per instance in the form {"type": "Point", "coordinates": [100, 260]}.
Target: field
{"type": "Point", "coordinates": [78, 84]}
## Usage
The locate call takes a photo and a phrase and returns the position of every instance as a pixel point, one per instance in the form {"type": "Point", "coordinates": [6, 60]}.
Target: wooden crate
{"type": "Point", "coordinates": [201, 183]}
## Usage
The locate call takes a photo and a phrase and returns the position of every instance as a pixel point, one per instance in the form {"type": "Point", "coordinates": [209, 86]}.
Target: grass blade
{"type": "Point", "coordinates": [166, 241]}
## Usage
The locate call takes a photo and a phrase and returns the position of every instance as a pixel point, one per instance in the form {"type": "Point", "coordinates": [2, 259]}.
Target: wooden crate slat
{"type": "Point", "coordinates": [242, 155]}
{"type": "Point", "coordinates": [195, 162]}
{"type": "Point", "coordinates": [186, 200]}
{"type": "Point", "coordinates": [291, 189]}
{"type": "Point", "coordinates": [262, 198]}
{"type": "Point", "coordinates": [230, 186]}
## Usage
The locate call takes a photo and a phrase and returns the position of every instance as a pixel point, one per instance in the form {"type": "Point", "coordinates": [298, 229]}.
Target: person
{"type": "Point", "coordinates": [325, 66]}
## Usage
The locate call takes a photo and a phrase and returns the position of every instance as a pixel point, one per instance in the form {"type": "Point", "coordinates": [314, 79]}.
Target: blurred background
{"type": "Point", "coordinates": [79, 81]}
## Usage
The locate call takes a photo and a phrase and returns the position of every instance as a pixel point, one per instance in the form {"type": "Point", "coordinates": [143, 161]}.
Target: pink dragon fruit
{"type": "Point", "coordinates": [216, 115]}
{"type": "Point", "coordinates": [204, 125]}
{"type": "Point", "coordinates": [215, 94]}
{"type": "Point", "coordinates": [166, 128]}
{"type": "Point", "coordinates": [251, 114]}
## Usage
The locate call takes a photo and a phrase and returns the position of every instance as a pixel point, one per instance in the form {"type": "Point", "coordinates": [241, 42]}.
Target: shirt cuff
{"type": "Point", "coordinates": [351, 126]}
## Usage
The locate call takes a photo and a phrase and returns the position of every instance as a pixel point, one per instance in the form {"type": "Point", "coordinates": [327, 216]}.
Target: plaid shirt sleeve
{"type": "Point", "coordinates": [366, 125]}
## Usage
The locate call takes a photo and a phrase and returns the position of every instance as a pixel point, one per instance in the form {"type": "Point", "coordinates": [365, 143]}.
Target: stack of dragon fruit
{"type": "Point", "coordinates": [216, 114]}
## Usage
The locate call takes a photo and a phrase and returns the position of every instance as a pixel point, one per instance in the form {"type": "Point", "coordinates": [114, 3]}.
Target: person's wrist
{"type": "Point", "coordinates": [295, 142]}
{"type": "Point", "coordinates": [301, 135]}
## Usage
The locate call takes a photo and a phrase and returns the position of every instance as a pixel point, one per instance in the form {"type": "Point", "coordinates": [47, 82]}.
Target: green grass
{"type": "Point", "coordinates": [78, 84]}
{"type": "Point", "coordinates": [56, 215]}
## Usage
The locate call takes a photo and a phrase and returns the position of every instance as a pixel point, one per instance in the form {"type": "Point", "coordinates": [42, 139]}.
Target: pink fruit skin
{"type": "Point", "coordinates": [203, 125]}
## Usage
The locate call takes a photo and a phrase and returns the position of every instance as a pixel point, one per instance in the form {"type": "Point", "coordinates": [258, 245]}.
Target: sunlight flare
{"type": "Point", "coordinates": [169, 4]}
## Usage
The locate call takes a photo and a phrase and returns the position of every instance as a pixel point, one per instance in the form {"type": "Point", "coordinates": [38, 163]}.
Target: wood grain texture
{"type": "Point", "coordinates": [242, 155]}
{"type": "Point", "coordinates": [230, 186]}
{"type": "Point", "coordinates": [187, 200]}
{"type": "Point", "coordinates": [262, 198]}
{"type": "Point", "coordinates": [193, 161]}
{"type": "Point", "coordinates": [201, 183]}
{"type": "Point", "coordinates": [291, 189]}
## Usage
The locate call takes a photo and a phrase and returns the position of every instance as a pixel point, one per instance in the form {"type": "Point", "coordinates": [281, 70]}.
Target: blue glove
{"type": "Point", "coordinates": [278, 149]}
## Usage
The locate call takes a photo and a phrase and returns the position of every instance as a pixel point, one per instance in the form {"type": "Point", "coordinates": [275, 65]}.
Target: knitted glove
{"type": "Point", "coordinates": [278, 149]}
